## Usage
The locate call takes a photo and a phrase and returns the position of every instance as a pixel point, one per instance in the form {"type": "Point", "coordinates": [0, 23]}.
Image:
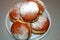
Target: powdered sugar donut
{"type": "Point", "coordinates": [41, 25]}
{"type": "Point", "coordinates": [21, 30]}
{"type": "Point", "coordinates": [14, 13]}
{"type": "Point", "coordinates": [40, 5]}
{"type": "Point", "coordinates": [29, 11]}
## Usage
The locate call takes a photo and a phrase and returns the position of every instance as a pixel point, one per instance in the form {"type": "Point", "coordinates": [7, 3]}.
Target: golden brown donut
{"type": "Point", "coordinates": [41, 25]}
{"type": "Point", "coordinates": [21, 30]}
{"type": "Point", "coordinates": [14, 13]}
{"type": "Point", "coordinates": [29, 11]}
{"type": "Point", "coordinates": [40, 5]}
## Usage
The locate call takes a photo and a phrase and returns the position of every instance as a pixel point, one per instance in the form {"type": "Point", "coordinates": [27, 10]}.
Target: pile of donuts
{"type": "Point", "coordinates": [27, 18]}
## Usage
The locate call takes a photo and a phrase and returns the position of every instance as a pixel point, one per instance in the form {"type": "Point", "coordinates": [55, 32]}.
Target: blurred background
{"type": "Point", "coordinates": [53, 7]}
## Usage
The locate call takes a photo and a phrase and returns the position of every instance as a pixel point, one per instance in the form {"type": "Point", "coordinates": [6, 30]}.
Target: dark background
{"type": "Point", "coordinates": [53, 7]}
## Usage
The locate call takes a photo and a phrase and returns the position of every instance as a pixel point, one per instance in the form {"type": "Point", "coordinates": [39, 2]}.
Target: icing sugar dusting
{"type": "Point", "coordinates": [29, 7]}
{"type": "Point", "coordinates": [40, 22]}
{"type": "Point", "coordinates": [23, 35]}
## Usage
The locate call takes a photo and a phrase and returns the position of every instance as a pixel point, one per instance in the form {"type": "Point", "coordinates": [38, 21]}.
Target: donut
{"type": "Point", "coordinates": [29, 11]}
{"type": "Point", "coordinates": [40, 5]}
{"type": "Point", "coordinates": [21, 30]}
{"type": "Point", "coordinates": [41, 25]}
{"type": "Point", "coordinates": [14, 13]}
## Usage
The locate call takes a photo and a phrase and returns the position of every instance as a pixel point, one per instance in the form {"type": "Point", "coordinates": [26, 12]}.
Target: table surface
{"type": "Point", "coordinates": [53, 8]}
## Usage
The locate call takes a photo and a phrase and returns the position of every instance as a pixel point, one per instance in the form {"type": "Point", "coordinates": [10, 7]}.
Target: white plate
{"type": "Point", "coordinates": [33, 36]}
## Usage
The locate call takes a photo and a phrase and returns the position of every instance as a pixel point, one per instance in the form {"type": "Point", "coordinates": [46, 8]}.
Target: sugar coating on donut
{"type": "Point", "coordinates": [14, 12]}
{"type": "Point", "coordinates": [31, 7]}
{"type": "Point", "coordinates": [39, 24]}
{"type": "Point", "coordinates": [23, 34]}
